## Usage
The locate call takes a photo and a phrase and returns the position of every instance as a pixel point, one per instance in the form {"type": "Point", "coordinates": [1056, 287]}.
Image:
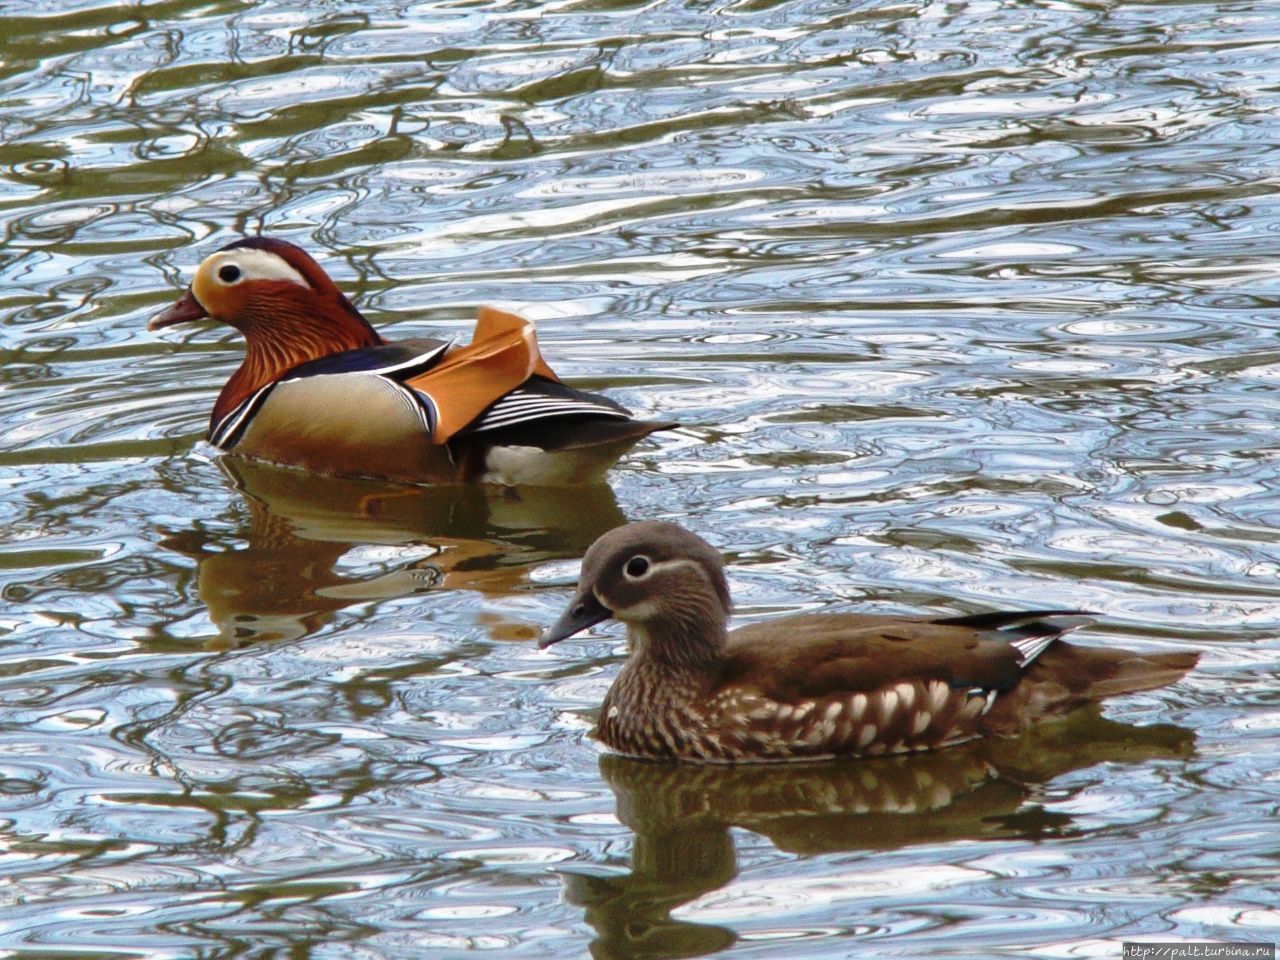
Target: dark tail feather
{"type": "Point", "coordinates": [1067, 676]}
{"type": "Point", "coordinates": [609, 432]}
{"type": "Point", "coordinates": [1123, 671]}
{"type": "Point", "coordinates": [576, 433]}
{"type": "Point", "coordinates": [1043, 621]}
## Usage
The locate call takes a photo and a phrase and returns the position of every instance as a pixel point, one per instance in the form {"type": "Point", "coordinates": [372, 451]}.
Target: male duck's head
{"type": "Point", "coordinates": [273, 293]}
{"type": "Point", "coordinates": [665, 583]}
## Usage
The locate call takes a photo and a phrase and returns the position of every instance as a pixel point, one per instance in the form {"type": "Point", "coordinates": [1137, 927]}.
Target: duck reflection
{"type": "Point", "coordinates": [286, 583]}
{"type": "Point", "coordinates": [682, 813]}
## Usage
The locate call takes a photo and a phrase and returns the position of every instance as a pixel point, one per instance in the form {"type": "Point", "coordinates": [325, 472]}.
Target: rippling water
{"type": "Point", "coordinates": [964, 304]}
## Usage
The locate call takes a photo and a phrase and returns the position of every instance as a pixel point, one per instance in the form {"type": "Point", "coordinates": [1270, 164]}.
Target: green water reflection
{"type": "Point", "coordinates": [682, 816]}
{"type": "Point", "coordinates": [285, 581]}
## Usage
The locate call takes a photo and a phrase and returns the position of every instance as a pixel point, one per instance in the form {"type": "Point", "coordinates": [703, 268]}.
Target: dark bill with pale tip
{"type": "Point", "coordinates": [585, 611]}
{"type": "Point", "coordinates": [185, 310]}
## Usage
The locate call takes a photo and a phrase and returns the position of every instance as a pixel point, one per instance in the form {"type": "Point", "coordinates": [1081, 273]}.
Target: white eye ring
{"type": "Point", "coordinates": [637, 567]}
{"type": "Point", "coordinates": [247, 263]}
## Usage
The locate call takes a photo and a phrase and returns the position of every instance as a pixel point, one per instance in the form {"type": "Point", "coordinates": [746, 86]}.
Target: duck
{"type": "Point", "coordinates": [823, 685]}
{"type": "Point", "coordinates": [320, 389]}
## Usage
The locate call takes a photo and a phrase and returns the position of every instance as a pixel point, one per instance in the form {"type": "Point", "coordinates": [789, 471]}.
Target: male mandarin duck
{"type": "Point", "coordinates": [320, 389]}
{"type": "Point", "coordinates": [818, 686]}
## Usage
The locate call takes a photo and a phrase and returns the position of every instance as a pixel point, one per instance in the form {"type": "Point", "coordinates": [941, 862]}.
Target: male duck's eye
{"type": "Point", "coordinates": [636, 567]}
{"type": "Point", "coordinates": [229, 274]}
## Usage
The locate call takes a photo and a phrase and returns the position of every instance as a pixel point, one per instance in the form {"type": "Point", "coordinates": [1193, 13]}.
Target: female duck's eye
{"type": "Point", "coordinates": [636, 567]}
{"type": "Point", "coordinates": [229, 274]}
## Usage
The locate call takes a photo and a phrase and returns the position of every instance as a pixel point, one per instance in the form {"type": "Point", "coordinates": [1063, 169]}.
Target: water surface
{"type": "Point", "coordinates": [965, 306]}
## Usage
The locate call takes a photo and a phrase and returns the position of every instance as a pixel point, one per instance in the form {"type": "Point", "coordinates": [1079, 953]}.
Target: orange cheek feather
{"type": "Point", "coordinates": [210, 295]}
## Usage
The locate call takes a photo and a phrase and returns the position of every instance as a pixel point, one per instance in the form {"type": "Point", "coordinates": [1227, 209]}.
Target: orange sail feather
{"type": "Point", "coordinates": [503, 354]}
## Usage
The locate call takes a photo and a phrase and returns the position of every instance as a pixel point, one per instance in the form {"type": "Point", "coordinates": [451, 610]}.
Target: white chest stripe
{"type": "Point", "coordinates": [230, 425]}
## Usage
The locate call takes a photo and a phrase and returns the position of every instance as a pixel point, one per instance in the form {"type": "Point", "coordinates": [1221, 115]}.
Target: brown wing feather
{"type": "Point", "coordinates": [503, 354]}
{"type": "Point", "coordinates": [836, 654]}
{"type": "Point", "coordinates": [831, 655]}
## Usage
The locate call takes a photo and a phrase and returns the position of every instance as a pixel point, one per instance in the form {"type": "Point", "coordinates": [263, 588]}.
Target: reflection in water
{"type": "Point", "coordinates": [681, 815]}
{"type": "Point", "coordinates": [286, 583]}
{"type": "Point", "coordinates": [976, 301]}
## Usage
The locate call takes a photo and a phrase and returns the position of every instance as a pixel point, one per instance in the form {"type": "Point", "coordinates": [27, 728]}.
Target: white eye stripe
{"type": "Point", "coordinates": [253, 265]}
{"type": "Point", "coordinates": [645, 607]}
{"type": "Point", "coordinates": [674, 564]}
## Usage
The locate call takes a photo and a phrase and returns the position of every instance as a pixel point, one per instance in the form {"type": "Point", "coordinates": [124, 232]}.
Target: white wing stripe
{"type": "Point", "coordinates": [417, 361]}
{"type": "Point", "coordinates": [491, 422]}
{"type": "Point", "coordinates": [547, 404]}
{"type": "Point", "coordinates": [524, 405]}
{"type": "Point", "coordinates": [543, 415]}
{"type": "Point", "coordinates": [489, 425]}
{"type": "Point", "coordinates": [1031, 647]}
{"type": "Point", "coordinates": [497, 414]}
{"type": "Point", "coordinates": [420, 360]}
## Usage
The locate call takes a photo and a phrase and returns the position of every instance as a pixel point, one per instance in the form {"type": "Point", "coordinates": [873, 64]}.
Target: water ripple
{"type": "Point", "coordinates": [962, 305]}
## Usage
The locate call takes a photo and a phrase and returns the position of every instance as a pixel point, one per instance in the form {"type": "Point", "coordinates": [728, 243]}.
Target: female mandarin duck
{"type": "Point", "coordinates": [320, 389]}
{"type": "Point", "coordinates": [821, 685]}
